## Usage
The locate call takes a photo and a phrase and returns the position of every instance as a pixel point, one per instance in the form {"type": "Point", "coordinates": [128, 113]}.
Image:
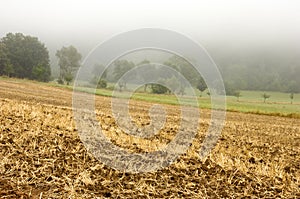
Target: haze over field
{"type": "Point", "coordinates": [263, 34]}
{"type": "Point", "coordinates": [86, 23]}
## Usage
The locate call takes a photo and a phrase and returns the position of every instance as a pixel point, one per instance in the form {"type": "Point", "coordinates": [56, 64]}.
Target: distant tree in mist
{"type": "Point", "coordinates": [185, 68]}
{"type": "Point", "coordinates": [102, 83]}
{"type": "Point", "coordinates": [260, 69]}
{"type": "Point", "coordinates": [292, 97]}
{"type": "Point", "coordinates": [159, 89]}
{"type": "Point", "coordinates": [120, 68]}
{"type": "Point", "coordinates": [265, 96]}
{"type": "Point", "coordinates": [230, 88]}
{"type": "Point", "coordinates": [237, 94]}
{"type": "Point", "coordinates": [145, 61]}
{"type": "Point", "coordinates": [201, 86]}
{"type": "Point", "coordinates": [69, 62]}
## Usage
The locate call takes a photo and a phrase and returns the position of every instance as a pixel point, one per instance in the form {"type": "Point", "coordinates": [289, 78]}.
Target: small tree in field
{"type": "Point", "coordinates": [102, 83]}
{"type": "Point", "coordinates": [201, 86]}
{"type": "Point", "coordinates": [292, 97]}
{"type": "Point", "coordinates": [266, 96]}
{"type": "Point", "coordinates": [237, 94]}
{"type": "Point", "coordinates": [159, 89]}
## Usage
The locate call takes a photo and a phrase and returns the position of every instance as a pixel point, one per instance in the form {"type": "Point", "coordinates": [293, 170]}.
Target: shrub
{"type": "Point", "coordinates": [60, 81]}
{"type": "Point", "coordinates": [102, 83]}
{"type": "Point", "coordinates": [159, 89]}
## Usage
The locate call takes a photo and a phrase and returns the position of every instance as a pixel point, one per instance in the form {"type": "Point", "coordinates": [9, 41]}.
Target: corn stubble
{"type": "Point", "coordinates": [42, 155]}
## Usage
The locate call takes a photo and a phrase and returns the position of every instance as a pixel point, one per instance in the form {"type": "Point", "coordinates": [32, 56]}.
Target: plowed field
{"type": "Point", "coordinates": [42, 156]}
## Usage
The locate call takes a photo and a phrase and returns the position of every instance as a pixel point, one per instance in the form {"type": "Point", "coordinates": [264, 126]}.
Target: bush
{"type": "Point", "coordinates": [102, 84]}
{"type": "Point", "coordinates": [111, 87]}
{"type": "Point", "coordinates": [60, 81]}
{"type": "Point", "coordinates": [159, 89]}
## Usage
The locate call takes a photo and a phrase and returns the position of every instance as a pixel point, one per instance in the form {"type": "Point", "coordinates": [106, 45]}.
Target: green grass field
{"type": "Point", "coordinates": [250, 101]}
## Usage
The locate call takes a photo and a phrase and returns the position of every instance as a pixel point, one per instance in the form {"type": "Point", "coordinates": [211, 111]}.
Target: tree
{"type": "Point", "coordinates": [69, 62]}
{"type": "Point", "coordinates": [8, 70]}
{"type": "Point", "coordinates": [230, 88]}
{"type": "Point", "coordinates": [174, 84]}
{"type": "Point", "coordinates": [121, 67]}
{"type": "Point", "coordinates": [145, 61]}
{"type": "Point", "coordinates": [24, 53]}
{"type": "Point", "coordinates": [293, 87]}
{"type": "Point", "coordinates": [292, 97]}
{"type": "Point", "coordinates": [201, 85]}
{"type": "Point", "coordinates": [4, 62]}
{"type": "Point", "coordinates": [237, 94]}
{"type": "Point", "coordinates": [266, 96]}
{"type": "Point", "coordinates": [159, 89]}
{"type": "Point", "coordinates": [68, 77]}
{"type": "Point", "coordinates": [186, 69]}
{"type": "Point", "coordinates": [102, 83]}
{"type": "Point", "coordinates": [99, 69]}
{"type": "Point", "coordinates": [40, 73]}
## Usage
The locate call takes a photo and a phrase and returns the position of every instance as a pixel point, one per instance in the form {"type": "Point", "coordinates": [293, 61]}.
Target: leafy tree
{"type": "Point", "coordinates": [201, 85]}
{"type": "Point", "coordinates": [159, 89]}
{"type": "Point", "coordinates": [102, 84]}
{"type": "Point", "coordinates": [40, 73]}
{"type": "Point", "coordinates": [121, 85]}
{"type": "Point", "coordinates": [99, 69]}
{"type": "Point", "coordinates": [266, 96]}
{"type": "Point", "coordinates": [8, 70]}
{"type": "Point", "coordinates": [185, 69]}
{"type": "Point", "coordinates": [293, 87]}
{"type": "Point", "coordinates": [24, 53]}
{"type": "Point", "coordinates": [60, 81]}
{"type": "Point", "coordinates": [68, 77]}
{"type": "Point", "coordinates": [292, 97]}
{"type": "Point", "coordinates": [4, 61]}
{"type": "Point", "coordinates": [237, 94]}
{"type": "Point", "coordinates": [145, 61]}
{"type": "Point", "coordinates": [121, 67]}
{"type": "Point", "coordinates": [230, 88]}
{"type": "Point", "coordinates": [69, 62]}
{"type": "Point", "coordinates": [174, 84]}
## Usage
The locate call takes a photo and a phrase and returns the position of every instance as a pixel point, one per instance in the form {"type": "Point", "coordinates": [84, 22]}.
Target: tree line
{"type": "Point", "coordinates": [167, 82]}
{"type": "Point", "coordinates": [262, 69]}
{"type": "Point", "coordinates": [24, 56]}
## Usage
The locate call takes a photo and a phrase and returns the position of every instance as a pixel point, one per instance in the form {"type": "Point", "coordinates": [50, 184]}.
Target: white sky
{"type": "Point", "coordinates": [67, 22]}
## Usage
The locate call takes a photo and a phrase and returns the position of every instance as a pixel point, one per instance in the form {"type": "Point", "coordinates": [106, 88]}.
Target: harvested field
{"type": "Point", "coordinates": [42, 155]}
